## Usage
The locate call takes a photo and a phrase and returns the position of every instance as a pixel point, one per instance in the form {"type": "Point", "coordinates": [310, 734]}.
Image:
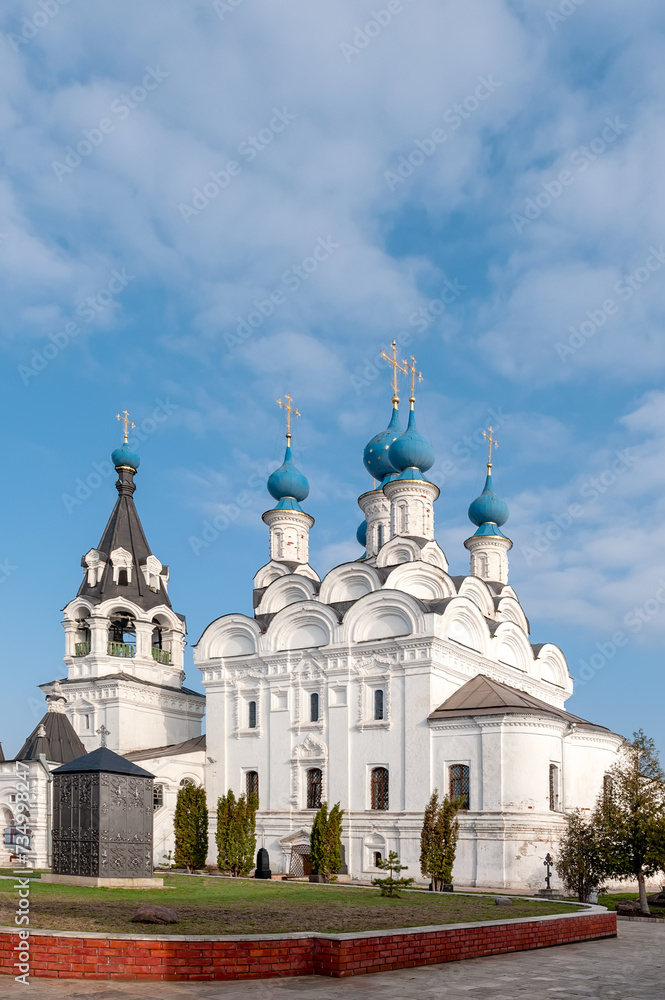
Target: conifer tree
{"type": "Point", "coordinates": [236, 833]}
{"type": "Point", "coordinates": [438, 840]}
{"type": "Point", "coordinates": [325, 841]}
{"type": "Point", "coordinates": [391, 885]}
{"type": "Point", "coordinates": [191, 828]}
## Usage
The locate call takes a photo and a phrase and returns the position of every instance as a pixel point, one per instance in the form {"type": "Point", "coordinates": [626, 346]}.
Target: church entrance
{"type": "Point", "coordinates": [301, 863]}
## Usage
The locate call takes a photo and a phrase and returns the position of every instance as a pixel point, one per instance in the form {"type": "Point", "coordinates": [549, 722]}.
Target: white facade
{"type": "Point", "coordinates": [386, 680]}
{"type": "Point", "coordinates": [396, 626]}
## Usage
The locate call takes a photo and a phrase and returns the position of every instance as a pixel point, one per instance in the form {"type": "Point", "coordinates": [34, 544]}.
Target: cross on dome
{"type": "Point", "coordinates": [492, 442]}
{"type": "Point", "coordinates": [396, 366]}
{"type": "Point", "coordinates": [414, 375]}
{"type": "Point", "coordinates": [287, 484]}
{"type": "Point", "coordinates": [124, 419]}
{"type": "Point", "coordinates": [289, 410]}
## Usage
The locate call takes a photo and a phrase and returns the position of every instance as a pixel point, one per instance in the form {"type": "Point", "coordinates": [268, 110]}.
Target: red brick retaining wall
{"type": "Point", "coordinates": [66, 955]}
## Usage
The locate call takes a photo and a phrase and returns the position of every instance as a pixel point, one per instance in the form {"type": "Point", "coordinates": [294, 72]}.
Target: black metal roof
{"type": "Point", "coordinates": [196, 744]}
{"type": "Point", "coordinates": [124, 530]}
{"type": "Point", "coordinates": [483, 695]}
{"type": "Point", "coordinates": [55, 737]}
{"type": "Point", "coordinates": [128, 677]}
{"type": "Point", "coordinates": [103, 760]}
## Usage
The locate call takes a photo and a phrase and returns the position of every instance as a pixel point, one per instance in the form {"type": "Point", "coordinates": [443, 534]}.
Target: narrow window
{"type": "Point", "coordinates": [157, 797]}
{"type": "Point", "coordinates": [252, 715]}
{"type": "Point", "coordinates": [554, 787]}
{"type": "Point", "coordinates": [252, 784]}
{"type": "Point", "coordinates": [379, 536]}
{"type": "Point", "coordinates": [378, 858]}
{"type": "Point", "coordinates": [459, 784]}
{"type": "Point", "coordinates": [122, 578]}
{"type": "Point", "coordinates": [378, 704]}
{"type": "Point", "coordinates": [314, 780]}
{"type": "Point", "coordinates": [314, 707]}
{"type": "Point", "coordinates": [608, 788]}
{"type": "Point", "coordinates": [380, 788]}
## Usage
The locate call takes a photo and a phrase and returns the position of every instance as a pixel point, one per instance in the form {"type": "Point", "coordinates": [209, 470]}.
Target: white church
{"type": "Point", "coordinates": [371, 687]}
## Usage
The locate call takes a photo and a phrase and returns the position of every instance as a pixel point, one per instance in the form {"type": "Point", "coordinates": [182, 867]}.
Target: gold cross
{"type": "Point", "coordinates": [414, 375]}
{"type": "Point", "coordinates": [126, 421]}
{"type": "Point", "coordinates": [289, 410]}
{"type": "Point", "coordinates": [492, 441]}
{"type": "Point", "coordinates": [395, 364]}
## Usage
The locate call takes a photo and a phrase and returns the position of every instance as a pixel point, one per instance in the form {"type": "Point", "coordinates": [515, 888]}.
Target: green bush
{"type": "Point", "coordinates": [191, 828]}
{"type": "Point", "coordinates": [236, 833]}
{"type": "Point", "coordinates": [391, 885]}
{"type": "Point", "coordinates": [438, 840]}
{"type": "Point", "coordinates": [325, 841]}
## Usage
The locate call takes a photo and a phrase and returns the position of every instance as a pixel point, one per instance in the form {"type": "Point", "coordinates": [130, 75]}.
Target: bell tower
{"type": "Point", "coordinates": [124, 643]}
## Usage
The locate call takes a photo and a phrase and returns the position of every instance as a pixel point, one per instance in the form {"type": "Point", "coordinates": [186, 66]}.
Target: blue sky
{"type": "Point", "coordinates": [482, 180]}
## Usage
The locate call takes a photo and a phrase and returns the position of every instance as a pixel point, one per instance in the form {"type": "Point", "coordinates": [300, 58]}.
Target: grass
{"type": "Point", "coordinates": [225, 906]}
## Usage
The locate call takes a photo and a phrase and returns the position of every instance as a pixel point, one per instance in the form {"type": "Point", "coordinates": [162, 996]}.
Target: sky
{"type": "Point", "coordinates": [204, 206]}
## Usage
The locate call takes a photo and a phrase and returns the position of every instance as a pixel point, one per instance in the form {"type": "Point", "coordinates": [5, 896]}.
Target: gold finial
{"type": "Point", "coordinates": [395, 365]}
{"type": "Point", "coordinates": [127, 422]}
{"type": "Point", "coordinates": [414, 375]}
{"type": "Point", "coordinates": [492, 442]}
{"type": "Point", "coordinates": [289, 410]}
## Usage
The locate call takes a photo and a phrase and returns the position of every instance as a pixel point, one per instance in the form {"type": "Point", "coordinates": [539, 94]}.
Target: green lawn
{"type": "Point", "coordinates": [228, 906]}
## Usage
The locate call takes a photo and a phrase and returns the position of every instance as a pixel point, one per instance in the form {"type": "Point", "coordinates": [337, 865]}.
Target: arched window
{"type": "Point", "coordinates": [252, 784]}
{"type": "Point", "coordinates": [459, 784]}
{"type": "Point", "coordinates": [314, 707]}
{"type": "Point", "coordinates": [159, 653]}
{"type": "Point", "coordinates": [380, 788]}
{"type": "Point", "coordinates": [185, 781]}
{"type": "Point", "coordinates": [378, 858]}
{"type": "Point", "coordinates": [314, 782]}
{"type": "Point", "coordinates": [157, 797]}
{"type": "Point", "coordinates": [82, 640]}
{"type": "Point", "coordinates": [554, 787]}
{"type": "Point", "coordinates": [379, 536]}
{"type": "Point", "coordinates": [122, 578]}
{"type": "Point", "coordinates": [252, 715]}
{"type": "Point", "coordinates": [402, 519]}
{"type": "Point", "coordinates": [122, 635]}
{"type": "Point", "coordinates": [378, 704]}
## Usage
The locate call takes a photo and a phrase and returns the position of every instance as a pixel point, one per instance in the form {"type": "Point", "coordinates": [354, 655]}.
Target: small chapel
{"type": "Point", "coordinates": [389, 677]}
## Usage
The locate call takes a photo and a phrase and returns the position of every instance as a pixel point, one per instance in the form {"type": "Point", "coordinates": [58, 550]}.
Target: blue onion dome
{"type": "Point", "coordinates": [124, 456]}
{"type": "Point", "coordinates": [488, 508]}
{"type": "Point", "coordinates": [411, 450]}
{"type": "Point", "coordinates": [287, 481]}
{"type": "Point", "coordinates": [375, 455]}
{"type": "Point", "coordinates": [361, 534]}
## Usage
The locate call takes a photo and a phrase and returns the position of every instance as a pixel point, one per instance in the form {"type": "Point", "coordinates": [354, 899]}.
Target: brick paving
{"type": "Point", "coordinates": [630, 967]}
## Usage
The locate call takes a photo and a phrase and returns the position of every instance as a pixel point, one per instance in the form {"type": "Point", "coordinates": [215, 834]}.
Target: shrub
{"type": "Point", "coordinates": [190, 824]}
{"type": "Point", "coordinates": [390, 885]}
{"type": "Point", "coordinates": [579, 862]}
{"type": "Point", "coordinates": [438, 840]}
{"type": "Point", "coordinates": [325, 842]}
{"type": "Point", "coordinates": [236, 833]}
